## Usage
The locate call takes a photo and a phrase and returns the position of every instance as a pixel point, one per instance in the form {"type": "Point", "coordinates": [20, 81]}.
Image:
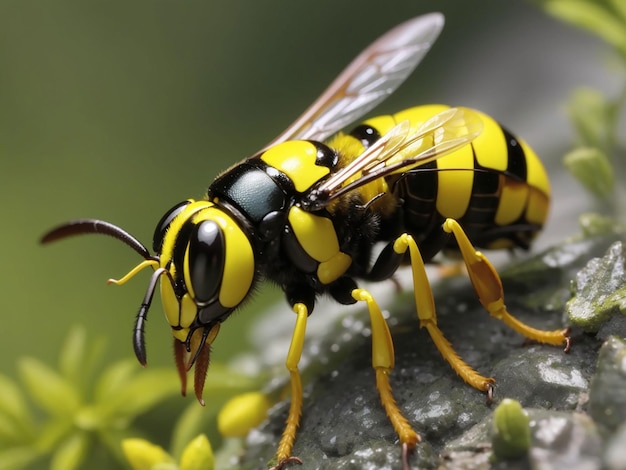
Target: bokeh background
{"type": "Point", "coordinates": [118, 110]}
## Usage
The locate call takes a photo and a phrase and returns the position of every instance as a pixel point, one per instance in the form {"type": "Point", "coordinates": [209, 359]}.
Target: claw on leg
{"type": "Point", "coordinates": [406, 451]}
{"type": "Point", "coordinates": [283, 463]}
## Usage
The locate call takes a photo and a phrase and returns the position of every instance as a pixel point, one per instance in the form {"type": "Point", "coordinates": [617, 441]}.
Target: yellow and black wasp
{"type": "Point", "coordinates": [307, 211]}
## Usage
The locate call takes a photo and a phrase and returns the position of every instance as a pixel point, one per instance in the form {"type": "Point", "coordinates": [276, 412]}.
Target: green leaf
{"type": "Point", "coordinates": [222, 384]}
{"type": "Point", "coordinates": [72, 354]}
{"type": "Point", "coordinates": [114, 379]}
{"type": "Point", "coordinates": [12, 431]}
{"type": "Point", "coordinates": [142, 392]}
{"type": "Point", "coordinates": [190, 423]}
{"type": "Point", "coordinates": [620, 8]}
{"type": "Point", "coordinates": [17, 458]}
{"type": "Point", "coordinates": [242, 413]}
{"type": "Point", "coordinates": [112, 439]}
{"type": "Point", "coordinates": [591, 16]}
{"type": "Point", "coordinates": [143, 455]}
{"type": "Point", "coordinates": [226, 382]}
{"type": "Point", "coordinates": [592, 168]}
{"type": "Point", "coordinates": [47, 388]}
{"type": "Point", "coordinates": [12, 403]}
{"type": "Point", "coordinates": [198, 455]}
{"type": "Point", "coordinates": [593, 117]}
{"type": "Point", "coordinates": [511, 430]}
{"type": "Point", "coordinates": [71, 453]}
{"type": "Point", "coordinates": [53, 432]}
{"type": "Point", "coordinates": [594, 225]}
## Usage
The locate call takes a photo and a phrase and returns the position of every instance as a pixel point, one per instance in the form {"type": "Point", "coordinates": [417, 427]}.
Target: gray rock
{"type": "Point", "coordinates": [607, 395]}
{"type": "Point", "coordinates": [345, 427]}
{"type": "Point", "coordinates": [601, 294]}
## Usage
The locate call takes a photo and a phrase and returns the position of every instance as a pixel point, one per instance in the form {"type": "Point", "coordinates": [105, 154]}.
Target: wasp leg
{"type": "Point", "coordinates": [383, 361]}
{"type": "Point", "coordinates": [488, 286]}
{"type": "Point", "coordinates": [428, 318]}
{"type": "Point", "coordinates": [283, 454]}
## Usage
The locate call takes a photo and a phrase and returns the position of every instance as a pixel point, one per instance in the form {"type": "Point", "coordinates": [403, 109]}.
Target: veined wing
{"type": "Point", "coordinates": [398, 151]}
{"type": "Point", "coordinates": [369, 79]}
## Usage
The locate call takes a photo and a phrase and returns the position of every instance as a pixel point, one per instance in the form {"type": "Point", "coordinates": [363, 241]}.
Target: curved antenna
{"type": "Point", "coordinates": [91, 226]}
{"type": "Point", "coordinates": [94, 226]}
{"type": "Point", "coordinates": [368, 80]}
{"type": "Point", "coordinates": [139, 343]}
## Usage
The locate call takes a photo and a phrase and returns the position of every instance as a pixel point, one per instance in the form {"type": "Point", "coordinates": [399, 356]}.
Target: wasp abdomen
{"type": "Point", "coordinates": [495, 186]}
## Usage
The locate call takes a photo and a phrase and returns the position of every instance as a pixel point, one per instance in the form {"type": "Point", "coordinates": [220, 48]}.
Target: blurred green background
{"type": "Point", "coordinates": [119, 109]}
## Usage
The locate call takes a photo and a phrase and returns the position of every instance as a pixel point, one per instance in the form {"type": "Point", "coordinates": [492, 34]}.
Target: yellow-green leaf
{"type": "Point", "coordinates": [53, 432]}
{"type": "Point", "coordinates": [592, 115]}
{"type": "Point", "coordinates": [114, 379]}
{"type": "Point", "coordinates": [242, 413]}
{"type": "Point", "coordinates": [71, 453]}
{"type": "Point", "coordinates": [47, 388]}
{"type": "Point", "coordinates": [12, 431]}
{"type": "Point", "coordinates": [12, 402]}
{"type": "Point", "coordinates": [18, 457]}
{"type": "Point", "coordinates": [192, 421]}
{"type": "Point", "coordinates": [143, 455]}
{"type": "Point", "coordinates": [511, 430]}
{"type": "Point", "coordinates": [592, 17]}
{"type": "Point", "coordinates": [223, 383]}
{"type": "Point", "coordinates": [72, 353]}
{"type": "Point", "coordinates": [142, 392]}
{"type": "Point", "coordinates": [592, 168]}
{"type": "Point", "coordinates": [198, 455]}
{"type": "Point", "coordinates": [620, 8]}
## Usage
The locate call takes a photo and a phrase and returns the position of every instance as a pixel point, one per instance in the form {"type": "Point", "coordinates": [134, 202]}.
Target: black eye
{"type": "Point", "coordinates": [207, 254]}
{"type": "Point", "coordinates": [164, 223]}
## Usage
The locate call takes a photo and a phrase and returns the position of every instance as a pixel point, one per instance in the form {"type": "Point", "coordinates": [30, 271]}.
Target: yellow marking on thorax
{"type": "Point", "coordinates": [317, 236]}
{"type": "Point", "coordinates": [297, 160]}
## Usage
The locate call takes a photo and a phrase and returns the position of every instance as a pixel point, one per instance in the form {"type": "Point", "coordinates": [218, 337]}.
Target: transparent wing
{"type": "Point", "coordinates": [369, 79]}
{"type": "Point", "coordinates": [398, 151]}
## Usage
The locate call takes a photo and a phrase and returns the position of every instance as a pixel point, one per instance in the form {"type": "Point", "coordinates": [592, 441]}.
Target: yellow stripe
{"type": "Point", "coordinates": [512, 202]}
{"type": "Point", "coordinates": [537, 207]}
{"type": "Point", "coordinates": [455, 187]}
{"type": "Point", "coordinates": [536, 173]}
{"type": "Point", "coordinates": [490, 146]}
{"type": "Point", "coordinates": [538, 204]}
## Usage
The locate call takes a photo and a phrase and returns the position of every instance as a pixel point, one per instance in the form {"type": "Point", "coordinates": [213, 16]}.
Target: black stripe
{"type": "Point", "coordinates": [367, 135]}
{"type": "Point", "coordinates": [326, 156]}
{"type": "Point", "coordinates": [517, 159]}
{"type": "Point", "coordinates": [178, 255]}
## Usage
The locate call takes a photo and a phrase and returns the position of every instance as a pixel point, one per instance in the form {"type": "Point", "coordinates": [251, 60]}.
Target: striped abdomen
{"type": "Point", "coordinates": [496, 187]}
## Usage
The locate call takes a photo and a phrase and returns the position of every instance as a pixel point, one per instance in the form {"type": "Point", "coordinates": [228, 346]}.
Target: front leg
{"type": "Point", "coordinates": [285, 447]}
{"type": "Point", "coordinates": [383, 362]}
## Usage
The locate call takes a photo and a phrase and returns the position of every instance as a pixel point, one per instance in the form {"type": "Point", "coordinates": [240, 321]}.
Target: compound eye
{"type": "Point", "coordinates": [164, 223]}
{"type": "Point", "coordinates": [205, 261]}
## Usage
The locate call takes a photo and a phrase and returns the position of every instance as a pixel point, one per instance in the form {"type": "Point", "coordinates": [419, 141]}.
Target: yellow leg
{"type": "Point", "coordinates": [428, 318]}
{"type": "Point", "coordinates": [283, 454]}
{"type": "Point", "coordinates": [488, 286]}
{"type": "Point", "coordinates": [383, 361]}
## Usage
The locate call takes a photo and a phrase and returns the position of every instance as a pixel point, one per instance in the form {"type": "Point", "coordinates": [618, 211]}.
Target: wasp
{"type": "Point", "coordinates": [307, 212]}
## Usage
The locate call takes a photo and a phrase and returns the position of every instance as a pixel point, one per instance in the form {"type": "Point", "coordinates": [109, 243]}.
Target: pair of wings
{"type": "Point", "coordinates": [368, 80]}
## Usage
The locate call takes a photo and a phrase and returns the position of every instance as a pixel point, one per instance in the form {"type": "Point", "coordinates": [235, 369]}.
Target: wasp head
{"type": "Point", "coordinates": [205, 264]}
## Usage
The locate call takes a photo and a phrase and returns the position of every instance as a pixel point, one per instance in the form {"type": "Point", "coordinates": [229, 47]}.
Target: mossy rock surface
{"type": "Point", "coordinates": [345, 427]}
